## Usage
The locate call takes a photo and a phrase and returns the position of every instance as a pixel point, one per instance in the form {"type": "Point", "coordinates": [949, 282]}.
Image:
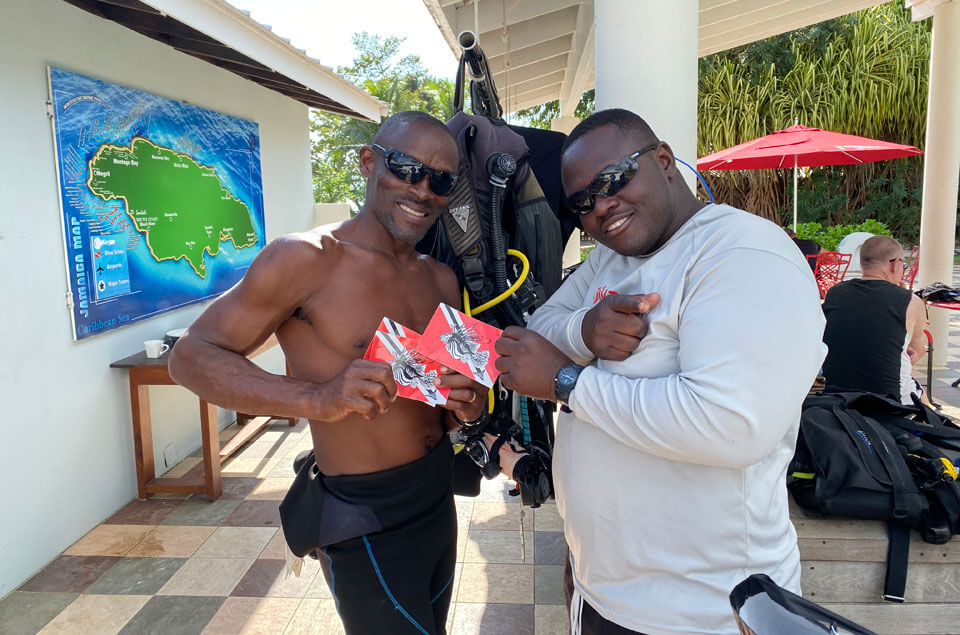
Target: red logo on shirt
{"type": "Point", "coordinates": [603, 292]}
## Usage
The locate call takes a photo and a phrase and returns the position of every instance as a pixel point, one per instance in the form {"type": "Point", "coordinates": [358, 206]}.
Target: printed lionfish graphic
{"type": "Point", "coordinates": [414, 373]}
{"type": "Point", "coordinates": [463, 343]}
{"type": "Point", "coordinates": [410, 369]}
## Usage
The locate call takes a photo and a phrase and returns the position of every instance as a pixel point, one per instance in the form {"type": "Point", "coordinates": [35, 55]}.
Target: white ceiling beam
{"type": "Point", "coordinates": [579, 62]}
{"type": "Point", "coordinates": [542, 96]}
{"type": "Point", "coordinates": [529, 32]}
{"type": "Point", "coordinates": [499, 68]}
{"type": "Point", "coordinates": [786, 14]}
{"type": "Point", "coordinates": [531, 71]}
{"type": "Point", "coordinates": [492, 14]}
{"type": "Point", "coordinates": [758, 25]}
{"type": "Point", "coordinates": [533, 85]}
{"type": "Point", "coordinates": [922, 9]}
{"type": "Point", "coordinates": [713, 11]}
{"type": "Point", "coordinates": [531, 54]}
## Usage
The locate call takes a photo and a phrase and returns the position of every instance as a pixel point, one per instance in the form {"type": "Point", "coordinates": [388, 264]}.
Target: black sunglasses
{"type": "Point", "coordinates": [608, 182]}
{"type": "Point", "coordinates": [409, 170]}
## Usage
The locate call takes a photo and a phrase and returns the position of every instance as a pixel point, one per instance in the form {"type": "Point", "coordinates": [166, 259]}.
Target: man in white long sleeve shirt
{"type": "Point", "coordinates": [682, 349]}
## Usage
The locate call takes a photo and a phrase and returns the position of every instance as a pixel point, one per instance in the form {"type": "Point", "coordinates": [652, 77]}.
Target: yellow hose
{"type": "Point", "coordinates": [497, 300]}
{"type": "Point", "coordinates": [513, 287]}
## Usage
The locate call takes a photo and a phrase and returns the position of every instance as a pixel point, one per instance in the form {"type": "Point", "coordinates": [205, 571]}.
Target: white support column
{"type": "Point", "coordinates": [564, 124]}
{"type": "Point", "coordinates": [941, 165]}
{"type": "Point", "coordinates": [646, 61]}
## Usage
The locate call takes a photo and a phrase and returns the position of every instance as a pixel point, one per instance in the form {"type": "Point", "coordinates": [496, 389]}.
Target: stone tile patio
{"type": "Point", "coordinates": [188, 565]}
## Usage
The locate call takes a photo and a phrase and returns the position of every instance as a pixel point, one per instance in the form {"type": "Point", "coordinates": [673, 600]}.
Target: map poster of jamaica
{"type": "Point", "coordinates": [161, 201]}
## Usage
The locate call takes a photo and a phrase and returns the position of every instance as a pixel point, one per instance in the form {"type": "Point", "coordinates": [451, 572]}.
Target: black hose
{"type": "Point", "coordinates": [500, 167]}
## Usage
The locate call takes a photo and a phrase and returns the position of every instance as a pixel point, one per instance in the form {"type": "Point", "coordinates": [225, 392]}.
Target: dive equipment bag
{"type": "Point", "coordinates": [868, 456]}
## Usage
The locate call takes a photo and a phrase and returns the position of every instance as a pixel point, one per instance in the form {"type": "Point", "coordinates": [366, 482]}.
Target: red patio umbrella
{"type": "Point", "coordinates": [800, 146]}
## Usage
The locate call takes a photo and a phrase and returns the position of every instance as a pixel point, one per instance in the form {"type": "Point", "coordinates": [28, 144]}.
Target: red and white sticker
{"type": "Point", "coordinates": [462, 343]}
{"type": "Point", "coordinates": [414, 373]}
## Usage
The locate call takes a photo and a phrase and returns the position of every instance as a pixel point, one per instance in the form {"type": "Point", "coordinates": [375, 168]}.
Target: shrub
{"type": "Point", "coordinates": [830, 237]}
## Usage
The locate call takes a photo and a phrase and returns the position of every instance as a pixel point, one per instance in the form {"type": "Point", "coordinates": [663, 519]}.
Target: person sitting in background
{"type": "Point", "coordinates": [874, 329]}
{"type": "Point", "coordinates": [807, 247]}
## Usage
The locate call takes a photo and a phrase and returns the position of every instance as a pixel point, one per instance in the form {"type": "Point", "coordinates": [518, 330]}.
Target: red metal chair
{"type": "Point", "coordinates": [910, 268]}
{"type": "Point", "coordinates": [831, 268]}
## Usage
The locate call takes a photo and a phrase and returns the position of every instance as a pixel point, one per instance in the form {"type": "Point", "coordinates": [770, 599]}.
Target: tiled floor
{"type": "Point", "coordinates": [175, 565]}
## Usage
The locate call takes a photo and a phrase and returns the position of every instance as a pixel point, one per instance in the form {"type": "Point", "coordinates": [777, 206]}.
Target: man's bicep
{"type": "Point", "coordinates": [246, 315]}
{"type": "Point", "coordinates": [916, 323]}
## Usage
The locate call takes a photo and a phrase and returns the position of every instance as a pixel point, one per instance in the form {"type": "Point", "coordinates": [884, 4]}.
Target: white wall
{"type": "Point", "coordinates": [327, 213]}
{"type": "Point", "coordinates": [66, 448]}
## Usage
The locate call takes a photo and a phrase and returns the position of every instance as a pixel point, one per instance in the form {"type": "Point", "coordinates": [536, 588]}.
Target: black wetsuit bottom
{"type": "Point", "coordinates": [399, 579]}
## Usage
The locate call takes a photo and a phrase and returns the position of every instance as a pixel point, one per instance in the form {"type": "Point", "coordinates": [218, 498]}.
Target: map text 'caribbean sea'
{"type": "Point", "coordinates": [180, 206]}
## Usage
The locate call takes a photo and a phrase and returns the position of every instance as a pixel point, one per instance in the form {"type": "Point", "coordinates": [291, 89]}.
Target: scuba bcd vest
{"type": "Point", "coordinates": [504, 240]}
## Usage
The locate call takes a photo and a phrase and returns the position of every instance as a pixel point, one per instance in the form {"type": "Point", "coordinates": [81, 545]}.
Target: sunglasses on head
{"type": "Point", "coordinates": [608, 182]}
{"type": "Point", "coordinates": [409, 170]}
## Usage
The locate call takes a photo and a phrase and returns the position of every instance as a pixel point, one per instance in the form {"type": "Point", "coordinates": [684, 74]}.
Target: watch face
{"type": "Point", "coordinates": [565, 381]}
{"type": "Point", "coordinates": [567, 375]}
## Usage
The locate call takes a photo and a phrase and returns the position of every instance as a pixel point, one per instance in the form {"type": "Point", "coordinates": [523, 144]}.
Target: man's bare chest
{"type": "Point", "coordinates": [343, 317]}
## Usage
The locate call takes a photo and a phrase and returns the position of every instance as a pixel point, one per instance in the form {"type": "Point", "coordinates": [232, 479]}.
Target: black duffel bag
{"type": "Point", "coordinates": [868, 456]}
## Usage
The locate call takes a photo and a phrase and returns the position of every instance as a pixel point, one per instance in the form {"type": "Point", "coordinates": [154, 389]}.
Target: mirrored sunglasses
{"type": "Point", "coordinates": [409, 170]}
{"type": "Point", "coordinates": [608, 182]}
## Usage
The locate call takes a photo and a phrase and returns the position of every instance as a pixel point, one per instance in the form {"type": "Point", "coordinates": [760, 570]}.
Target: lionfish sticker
{"type": "Point", "coordinates": [414, 373]}
{"type": "Point", "coordinates": [461, 343]}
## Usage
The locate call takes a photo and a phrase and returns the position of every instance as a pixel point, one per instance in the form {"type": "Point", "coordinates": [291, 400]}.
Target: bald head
{"type": "Point", "coordinates": [395, 125]}
{"type": "Point", "coordinates": [878, 251]}
{"type": "Point", "coordinates": [629, 123]}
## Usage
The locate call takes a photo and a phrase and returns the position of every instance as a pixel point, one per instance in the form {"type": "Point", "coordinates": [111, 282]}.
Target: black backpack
{"type": "Point", "coordinates": [868, 456]}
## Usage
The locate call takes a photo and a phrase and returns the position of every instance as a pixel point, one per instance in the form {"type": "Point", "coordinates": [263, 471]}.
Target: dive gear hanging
{"type": "Point", "coordinates": [504, 240]}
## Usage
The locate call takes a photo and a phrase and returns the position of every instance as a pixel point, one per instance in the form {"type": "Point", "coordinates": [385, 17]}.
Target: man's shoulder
{"type": "Point", "coordinates": [857, 289]}
{"type": "Point", "coordinates": [751, 225]}
{"type": "Point", "coordinates": [723, 228]}
{"type": "Point", "coordinates": [300, 248]}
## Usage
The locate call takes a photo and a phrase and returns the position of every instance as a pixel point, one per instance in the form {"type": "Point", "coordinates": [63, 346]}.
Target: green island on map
{"type": "Point", "coordinates": [180, 206]}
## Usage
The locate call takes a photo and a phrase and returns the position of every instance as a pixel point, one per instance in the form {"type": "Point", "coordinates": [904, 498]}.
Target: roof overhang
{"type": "Point", "coordinates": [923, 9]}
{"type": "Point", "coordinates": [541, 50]}
{"type": "Point", "coordinates": [220, 34]}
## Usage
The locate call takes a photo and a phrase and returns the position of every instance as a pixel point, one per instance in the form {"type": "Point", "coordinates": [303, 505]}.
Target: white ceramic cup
{"type": "Point", "coordinates": [155, 348]}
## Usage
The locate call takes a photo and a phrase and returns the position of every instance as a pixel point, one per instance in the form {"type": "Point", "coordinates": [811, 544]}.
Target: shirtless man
{"type": "Point", "coordinates": [324, 294]}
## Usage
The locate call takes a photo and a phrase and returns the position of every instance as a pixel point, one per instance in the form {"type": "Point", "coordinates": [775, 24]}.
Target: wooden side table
{"type": "Point", "coordinates": [145, 372]}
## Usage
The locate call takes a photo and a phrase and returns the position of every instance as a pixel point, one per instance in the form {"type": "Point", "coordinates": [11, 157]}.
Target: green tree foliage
{"type": "Point", "coordinates": [402, 82]}
{"type": "Point", "coordinates": [862, 74]}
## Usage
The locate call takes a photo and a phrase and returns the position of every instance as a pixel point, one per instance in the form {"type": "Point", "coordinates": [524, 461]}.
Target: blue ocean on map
{"type": "Point", "coordinates": [108, 290]}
